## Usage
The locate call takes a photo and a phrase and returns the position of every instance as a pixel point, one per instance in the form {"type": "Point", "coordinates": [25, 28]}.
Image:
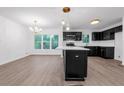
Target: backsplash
{"type": "Point", "coordinates": [92, 43]}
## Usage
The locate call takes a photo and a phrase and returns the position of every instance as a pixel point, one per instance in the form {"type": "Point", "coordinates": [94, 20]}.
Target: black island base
{"type": "Point", "coordinates": [75, 65]}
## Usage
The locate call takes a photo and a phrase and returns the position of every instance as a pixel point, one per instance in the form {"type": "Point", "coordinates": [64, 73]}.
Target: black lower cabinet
{"type": "Point", "coordinates": [107, 52]}
{"type": "Point", "coordinates": [75, 62]}
{"type": "Point", "coordinates": [93, 50]}
{"type": "Point", "coordinates": [104, 52]}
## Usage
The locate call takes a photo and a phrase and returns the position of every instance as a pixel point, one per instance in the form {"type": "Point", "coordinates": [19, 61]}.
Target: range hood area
{"type": "Point", "coordinates": [75, 36]}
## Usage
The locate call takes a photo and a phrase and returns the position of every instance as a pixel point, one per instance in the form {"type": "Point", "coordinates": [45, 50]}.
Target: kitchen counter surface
{"type": "Point", "coordinates": [72, 48]}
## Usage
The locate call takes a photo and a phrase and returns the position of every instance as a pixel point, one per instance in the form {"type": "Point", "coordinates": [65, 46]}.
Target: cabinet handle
{"type": "Point", "coordinates": [77, 56]}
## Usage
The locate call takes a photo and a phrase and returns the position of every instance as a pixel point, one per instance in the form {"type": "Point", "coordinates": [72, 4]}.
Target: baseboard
{"type": "Point", "coordinates": [44, 54]}
{"type": "Point", "coordinates": [14, 59]}
{"type": "Point", "coordinates": [122, 64]}
{"type": "Point", "coordinates": [117, 59]}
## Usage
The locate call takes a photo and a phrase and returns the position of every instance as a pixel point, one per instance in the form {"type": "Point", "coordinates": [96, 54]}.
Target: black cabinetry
{"type": "Point", "coordinates": [75, 62]}
{"type": "Point", "coordinates": [96, 36]}
{"type": "Point", "coordinates": [93, 50]}
{"type": "Point", "coordinates": [105, 52]}
{"type": "Point", "coordinates": [118, 29]}
{"type": "Point", "coordinates": [77, 36]}
{"type": "Point", "coordinates": [112, 34]}
{"type": "Point", "coordinates": [107, 34]}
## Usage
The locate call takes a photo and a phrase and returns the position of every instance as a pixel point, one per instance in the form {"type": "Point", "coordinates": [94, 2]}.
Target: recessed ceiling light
{"type": "Point", "coordinates": [67, 28]}
{"type": "Point", "coordinates": [63, 22]}
{"type": "Point", "coordinates": [95, 21]}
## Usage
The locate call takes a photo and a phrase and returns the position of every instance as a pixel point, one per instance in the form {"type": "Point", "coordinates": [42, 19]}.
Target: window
{"type": "Point", "coordinates": [85, 38]}
{"type": "Point", "coordinates": [54, 41]}
{"type": "Point", "coordinates": [38, 40]}
{"type": "Point", "coordinates": [46, 41]}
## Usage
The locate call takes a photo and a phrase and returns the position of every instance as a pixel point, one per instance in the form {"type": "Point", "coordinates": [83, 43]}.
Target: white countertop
{"type": "Point", "coordinates": [71, 48]}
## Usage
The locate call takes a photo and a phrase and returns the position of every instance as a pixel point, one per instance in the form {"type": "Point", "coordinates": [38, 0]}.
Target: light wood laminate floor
{"type": "Point", "coordinates": [49, 71]}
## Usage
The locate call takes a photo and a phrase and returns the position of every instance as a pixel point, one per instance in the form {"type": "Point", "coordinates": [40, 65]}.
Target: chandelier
{"type": "Point", "coordinates": [36, 28]}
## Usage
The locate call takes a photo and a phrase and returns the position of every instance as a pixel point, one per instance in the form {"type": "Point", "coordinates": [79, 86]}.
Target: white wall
{"type": "Point", "coordinates": [123, 41]}
{"type": "Point", "coordinates": [118, 46]}
{"type": "Point", "coordinates": [13, 41]}
{"type": "Point", "coordinates": [51, 31]}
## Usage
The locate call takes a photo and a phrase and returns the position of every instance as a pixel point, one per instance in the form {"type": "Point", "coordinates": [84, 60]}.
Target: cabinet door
{"type": "Point", "coordinates": [112, 34]}
{"type": "Point", "coordinates": [118, 29]}
{"type": "Point", "coordinates": [78, 36]}
{"type": "Point", "coordinates": [75, 62]}
{"type": "Point", "coordinates": [98, 51]}
{"type": "Point", "coordinates": [95, 36]}
{"type": "Point", "coordinates": [102, 52]}
{"type": "Point", "coordinates": [106, 35]}
{"type": "Point", "coordinates": [68, 36]}
{"type": "Point", "coordinates": [109, 34]}
{"type": "Point", "coordinates": [109, 52]}
{"type": "Point", "coordinates": [93, 51]}
{"type": "Point", "coordinates": [100, 36]}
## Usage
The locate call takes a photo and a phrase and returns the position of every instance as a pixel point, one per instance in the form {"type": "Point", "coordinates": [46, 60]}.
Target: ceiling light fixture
{"type": "Point", "coordinates": [95, 21]}
{"type": "Point", "coordinates": [68, 28]}
{"type": "Point", "coordinates": [66, 21]}
{"type": "Point", "coordinates": [35, 28]}
{"type": "Point", "coordinates": [66, 9]}
{"type": "Point", "coordinates": [63, 22]}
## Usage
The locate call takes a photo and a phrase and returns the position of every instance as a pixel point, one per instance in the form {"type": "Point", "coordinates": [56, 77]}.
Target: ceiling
{"type": "Point", "coordinates": [51, 17]}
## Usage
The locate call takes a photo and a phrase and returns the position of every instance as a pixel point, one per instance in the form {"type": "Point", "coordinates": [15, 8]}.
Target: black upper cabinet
{"type": "Point", "coordinates": [112, 33]}
{"type": "Point", "coordinates": [107, 34]}
{"type": "Point", "coordinates": [68, 36]}
{"type": "Point", "coordinates": [77, 36]}
{"type": "Point", "coordinates": [96, 36]}
{"type": "Point", "coordinates": [118, 29]}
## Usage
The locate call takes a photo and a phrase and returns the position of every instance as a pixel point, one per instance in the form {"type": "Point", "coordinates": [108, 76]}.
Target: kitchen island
{"type": "Point", "coordinates": [75, 62]}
